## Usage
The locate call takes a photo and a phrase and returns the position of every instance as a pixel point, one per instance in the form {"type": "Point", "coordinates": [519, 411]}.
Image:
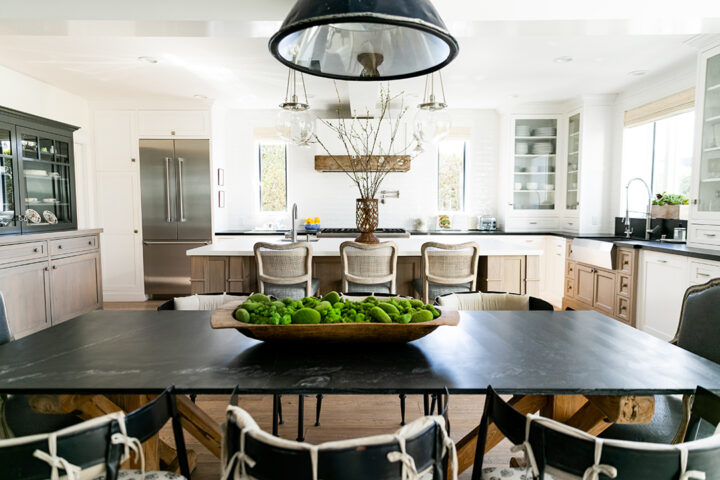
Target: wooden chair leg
{"type": "Point", "coordinates": [318, 407]}
{"type": "Point", "coordinates": [402, 409]}
{"type": "Point", "coordinates": [301, 416]}
{"type": "Point", "coordinates": [276, 403]}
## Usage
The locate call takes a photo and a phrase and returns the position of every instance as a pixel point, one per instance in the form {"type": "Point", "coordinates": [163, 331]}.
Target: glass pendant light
{"type": "Point", "coordinates": [294, 122]}
{"type": "Point", "coordinates": [432, 123]}
{"type": "Point", "coordinates": [364, 40]}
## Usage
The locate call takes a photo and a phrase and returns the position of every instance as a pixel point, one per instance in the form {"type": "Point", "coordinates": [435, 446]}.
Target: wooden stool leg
{"type": "Point", "coordinates": [301, 416]}
{"type": "Point", "coordinates": [318, 407]}
{"type": "Point", "coordinates": [402, 409]}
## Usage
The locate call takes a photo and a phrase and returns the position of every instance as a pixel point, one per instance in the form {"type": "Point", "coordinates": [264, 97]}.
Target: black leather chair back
{"type": "Point", "coordinates": [5, 334]}
{"type": "Point", "coordinates": [699, 328]}
{"type": "Point", "coordinates": [84, 447]}
{"type": "Point", "coordinates": [148, 420]}
{"type": "Point", "coordinates": [569, 453]}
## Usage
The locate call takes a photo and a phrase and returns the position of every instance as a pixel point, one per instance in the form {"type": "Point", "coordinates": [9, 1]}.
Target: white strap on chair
{"type": "Point", "coordinates": [526, 448]}
{"type": "Point", "coordinates": [314, 461]}
{"type": "Point", "coordinates": [593, 473]}
{"type": "Point", "coordinates": [72, 472]}
{"type": "Point", "coordinates": [409, 471]}
{"type": "Point", "coordinates": [238, 462]}
{"type": "Point", "coordinates": [684, 473]}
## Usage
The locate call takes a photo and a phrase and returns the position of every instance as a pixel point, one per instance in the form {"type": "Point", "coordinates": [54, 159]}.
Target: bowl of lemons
{"type": "Point", "coordinates": [312, 224]}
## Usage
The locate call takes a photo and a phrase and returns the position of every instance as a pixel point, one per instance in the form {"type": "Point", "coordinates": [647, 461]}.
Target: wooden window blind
{"type": "Point", "coordinates": [659, 109]}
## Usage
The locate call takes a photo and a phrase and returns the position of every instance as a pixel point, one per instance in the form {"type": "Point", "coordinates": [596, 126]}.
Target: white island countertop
{"type": "Point", "coordinates": [330, 247]}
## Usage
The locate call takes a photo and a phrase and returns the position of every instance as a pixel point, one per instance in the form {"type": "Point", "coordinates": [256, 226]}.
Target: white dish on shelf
{"type": "Point", "coordinates": [54, 174]}
{"type": "Point", "coordinates": [531, 186]}
{"type": "Point", "coordinates": [522, 131]}
{"type": "Point", "coordinates": [49, 200]}
{"type": "Point", "coordinates": [31, 200]}
{"type": "Point", "coordinates": [521, 148]}
{"type": "Point", "coordinates": [33, 216]}
{"type": "Point", "coordinates": [50, 217]}
{"type": "Point", "coordinates": [36, 173]}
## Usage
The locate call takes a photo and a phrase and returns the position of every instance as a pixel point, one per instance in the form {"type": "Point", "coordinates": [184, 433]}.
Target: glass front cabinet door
{"type": "Point", "coordinates": [9, 222]}
{"type": "Point", "coordinates": [708, 188]}
{"type": "Point", "coordinates": [573, 163]}
{"type": "Point", "coordinates": [47, 193]}
{"type": "Point", "coordinates": [535, 164]}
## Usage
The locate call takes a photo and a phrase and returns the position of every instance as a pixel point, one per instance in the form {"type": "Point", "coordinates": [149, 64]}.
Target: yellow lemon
{"type": "Point", "coordinates": [317, 220]}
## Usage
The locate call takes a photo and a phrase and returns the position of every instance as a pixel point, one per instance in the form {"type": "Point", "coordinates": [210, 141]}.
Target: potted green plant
{"type": "Point", "coordinates": [670, 205]}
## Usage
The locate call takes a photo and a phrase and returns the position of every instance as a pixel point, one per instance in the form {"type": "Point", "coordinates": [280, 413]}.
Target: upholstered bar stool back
{"type": "Point", "coordinates": [447, 269]}
{"type": "Point", "coordinates": [369, 267]}
{"type": "Point", "coordinates": [285, 270]}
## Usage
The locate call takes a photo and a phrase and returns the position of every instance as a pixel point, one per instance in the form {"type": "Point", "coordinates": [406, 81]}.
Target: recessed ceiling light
{"type": "Point", "coordinates": [146, 59]}
{"type": "Point", "coordinates": [637, 73]}
{"type": "Point", "coordinates": [563, 59]}
{"type": "Point", "coordinates": [199, 96]}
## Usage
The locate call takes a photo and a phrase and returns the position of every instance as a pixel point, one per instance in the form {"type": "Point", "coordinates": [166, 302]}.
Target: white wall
{"type": "Point", "coordinates": [331, 196]}
{"type": "Point", "coordinates": [26, 94]}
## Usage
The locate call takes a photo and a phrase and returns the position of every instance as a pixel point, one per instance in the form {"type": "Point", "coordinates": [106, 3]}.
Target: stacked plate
{"type": "Point", "coordinates": [545, 132]}
{"type": "Point", "coordinates": [543, 148]}
{"type": "Point", "coordinates": [522, 131]}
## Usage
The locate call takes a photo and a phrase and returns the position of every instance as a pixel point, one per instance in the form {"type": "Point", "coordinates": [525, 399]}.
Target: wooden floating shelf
{"type": "Point", "coordinates": [326, 163]}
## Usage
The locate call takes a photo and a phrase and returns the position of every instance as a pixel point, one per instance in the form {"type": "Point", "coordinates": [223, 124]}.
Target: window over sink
{"type": "Point", "coordinates": [661, 153]}
{"type": "Point", "coordinates": [451, 175]}
{"type": "Point", "coordinates": [272, 158]}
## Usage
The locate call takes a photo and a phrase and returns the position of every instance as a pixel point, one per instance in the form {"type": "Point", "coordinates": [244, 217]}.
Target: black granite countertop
{"type": "Point", "coordinates": [260, 232]}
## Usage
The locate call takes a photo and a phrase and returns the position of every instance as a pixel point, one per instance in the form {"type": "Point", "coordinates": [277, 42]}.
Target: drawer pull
{"type": "Point", "coordinates": [89, 242]}
{"type": "Point", "coordinates": [532, 223]}
{"type": "Point", "coordinates": [35, 250]}
{"type": "Point", "coordinates": [59, 247]}
{"type": "Point", "coordinates": [700, 274]}
{"type": "Point", "coordinates": [709, 234]}
{"type": "Point", "coordinates": [623, 307]}
{"type": "Point", "coordinates": [662, 261]}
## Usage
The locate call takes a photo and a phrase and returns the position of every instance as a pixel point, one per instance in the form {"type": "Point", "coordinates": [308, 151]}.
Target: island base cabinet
{"type": "Point", "coordinates": [664, 279]}
{"type": "Point", "coordinates": [512, 274]}
{"type": "Point", "coordinates": [26, 290]}
{"type": "Point", "coordinates": [76, 286]}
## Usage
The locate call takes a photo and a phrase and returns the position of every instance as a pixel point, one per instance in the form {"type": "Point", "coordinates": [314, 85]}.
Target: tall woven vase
{"type": "Point", "coordinates": [366, 219]}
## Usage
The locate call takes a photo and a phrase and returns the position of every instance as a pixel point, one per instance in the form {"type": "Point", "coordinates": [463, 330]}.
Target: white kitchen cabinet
{"type": "Point", "coordinates": [662, 283]}
{"type": "Point", "coordinates": [553, 282]}
{"type": "Point", "coordinates": [117, 205]}
{"type": "Point", "coordinates": [702, 271]}
{"type": "Point", "coordinates": [173, 123]}
{"type": "Point", "coordinates": [704, 228]}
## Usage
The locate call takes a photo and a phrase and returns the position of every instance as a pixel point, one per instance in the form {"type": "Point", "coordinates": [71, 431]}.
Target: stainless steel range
{"type": "Point", "coordinates": [354, 232]}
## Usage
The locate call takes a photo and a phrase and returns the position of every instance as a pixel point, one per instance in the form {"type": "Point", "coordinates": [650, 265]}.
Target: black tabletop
{"type": "Point", "coordinates": [515, 352]}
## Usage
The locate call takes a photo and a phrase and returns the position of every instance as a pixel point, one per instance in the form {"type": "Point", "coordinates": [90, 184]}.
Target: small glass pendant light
{"type": "Point", "coordinates": [432, 123]}
{"type": "Point", "coordinates": [295, 123]}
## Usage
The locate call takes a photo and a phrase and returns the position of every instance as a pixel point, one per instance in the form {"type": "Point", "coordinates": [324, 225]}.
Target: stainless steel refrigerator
{"type": "Point", "coordinates": [176, 210]}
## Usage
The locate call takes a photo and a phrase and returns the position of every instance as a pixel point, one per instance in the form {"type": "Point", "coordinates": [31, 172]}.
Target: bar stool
{"type": "Point", "coordinates": [285, 270]}
{"type": "Point", "coordinates": [369, 267]}
{"type": "Point", "coordinates": [447, 269]}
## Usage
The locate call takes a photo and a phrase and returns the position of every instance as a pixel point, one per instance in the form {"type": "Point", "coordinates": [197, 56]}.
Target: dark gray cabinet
{"type": "Point", "coordinates": [37, 169]}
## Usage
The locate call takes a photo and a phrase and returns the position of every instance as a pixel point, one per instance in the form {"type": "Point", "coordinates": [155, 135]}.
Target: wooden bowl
{"type": "Point", "coordinates": [332, 332]}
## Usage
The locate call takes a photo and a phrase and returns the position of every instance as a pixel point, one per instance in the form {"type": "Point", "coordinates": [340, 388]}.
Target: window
{"type": "Point", "coordinates": [273, 177]}
{"type": "Point", "coordinates": [660, 153]}
{"type": "Point", "coordinates": [451, 175]}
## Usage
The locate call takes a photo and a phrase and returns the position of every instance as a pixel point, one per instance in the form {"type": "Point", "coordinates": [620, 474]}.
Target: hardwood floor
{"type": "Point", "coordinates": [343, 416]}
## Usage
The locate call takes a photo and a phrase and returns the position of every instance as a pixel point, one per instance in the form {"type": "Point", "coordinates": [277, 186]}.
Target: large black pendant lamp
{"type": "Point", "coordinates": [364, 39]}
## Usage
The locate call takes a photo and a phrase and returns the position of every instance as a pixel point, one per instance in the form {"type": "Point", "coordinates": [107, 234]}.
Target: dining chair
{"type": "Point", "coordinates": [17, 418]}
{"type": "Point", "coordinates": [698, 331]}
{"type": "Point", "coordinates": [285, 270]}
{"type": "Point", "coordinates": [422, 448]}
{"type": "Point", "coordinates": [147, 421]}
{"type": "Point", "coordinates": [369, 267]}
{"type": "Point", "coordinates": [555, 450]}
{"type": "Point", "coordinates": [447, 269]}
{"type": "Point", "coordinates": [491, 301]}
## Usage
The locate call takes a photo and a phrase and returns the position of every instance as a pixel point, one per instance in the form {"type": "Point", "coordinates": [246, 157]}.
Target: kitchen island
{"type": "Point", "coordinates": [229, 264]}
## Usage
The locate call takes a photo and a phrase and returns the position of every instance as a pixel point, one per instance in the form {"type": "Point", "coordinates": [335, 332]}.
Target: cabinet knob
{"type": "Point", "coordinates": [135, 231]}
{"type": "Point", "coordinates": [89, 242]}
{"type": "Point", "coordinates": [59, 247]}
{"type": "Point", "coordinates": [46, 269]}
{"type": "Point", "coordinates": [54, 267]}
{"type": "Point", "coordinates": [35, 250]}
{"type": "Point", "coordinates": [132, 160]}
{"type": "Point", "coordinates": [694, 201]}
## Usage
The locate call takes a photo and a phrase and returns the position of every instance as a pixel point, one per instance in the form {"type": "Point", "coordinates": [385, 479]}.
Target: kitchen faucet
{"type": "Point", "coordinates": [293, 221]}
{"type": "Point", "coordinates": [648, 213]}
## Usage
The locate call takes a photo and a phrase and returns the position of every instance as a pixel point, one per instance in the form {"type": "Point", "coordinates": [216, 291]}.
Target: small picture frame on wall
{"type": "Point", "coordinates": [221, 177]}
{"type": "Point", "coordinates": [221, 199]}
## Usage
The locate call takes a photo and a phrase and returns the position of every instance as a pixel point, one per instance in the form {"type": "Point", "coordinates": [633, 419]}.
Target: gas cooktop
{"type": "Point", "coordinates": [353, 232]}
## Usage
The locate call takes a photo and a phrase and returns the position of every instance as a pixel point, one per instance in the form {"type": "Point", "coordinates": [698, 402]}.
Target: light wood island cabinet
{"type": "Point", "coordinates": [49, 278]}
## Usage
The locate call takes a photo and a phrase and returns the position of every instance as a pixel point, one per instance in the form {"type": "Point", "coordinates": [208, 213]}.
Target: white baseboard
{"type": "Point", "coordinates": [124, 297]}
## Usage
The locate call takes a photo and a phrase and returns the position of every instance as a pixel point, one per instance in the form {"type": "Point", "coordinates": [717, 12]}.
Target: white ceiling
{"type": "Point", "coordinates": [218, 48]}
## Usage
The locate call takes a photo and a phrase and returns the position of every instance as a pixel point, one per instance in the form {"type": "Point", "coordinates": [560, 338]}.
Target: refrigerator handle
{"type": "Point", "coordinates": [181, 202]}
{"type": "Point", "coordinates": [168, 215]}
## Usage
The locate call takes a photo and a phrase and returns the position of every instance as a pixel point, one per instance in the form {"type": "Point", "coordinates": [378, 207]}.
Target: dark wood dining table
{"type": "Point", "coordinates": [579, 367]}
